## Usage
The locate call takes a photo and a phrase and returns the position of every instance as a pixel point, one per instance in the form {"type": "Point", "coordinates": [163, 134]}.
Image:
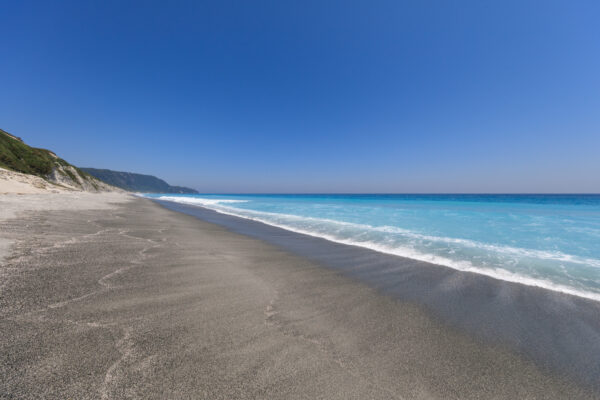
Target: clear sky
{"type": "Point", "coordinates": [312, 96]}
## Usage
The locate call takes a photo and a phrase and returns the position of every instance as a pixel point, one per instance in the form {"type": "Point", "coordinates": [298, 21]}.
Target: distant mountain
{"type": "Point", "coordinates": [17, 156]}
{"type": "Point", "coordinates": [136, 182]}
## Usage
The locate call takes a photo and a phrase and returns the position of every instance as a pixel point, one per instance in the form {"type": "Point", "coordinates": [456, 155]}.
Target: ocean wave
{"type": "Point", "coordinates": [219, 205]}
{"type": "Point", "coordinates": [199, 201]}
{"type": "Point", "coordinates": [505, 250]}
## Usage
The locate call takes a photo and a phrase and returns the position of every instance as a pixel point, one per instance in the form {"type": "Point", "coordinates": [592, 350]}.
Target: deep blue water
{"type": "Point", "coordinates": [551, 241]}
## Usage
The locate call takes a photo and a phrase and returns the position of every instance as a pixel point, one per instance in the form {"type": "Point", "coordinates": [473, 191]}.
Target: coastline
{"type": "Point", "coordinates": [134, 300]}
{"type": "Point", "coordinates": [465, 265]}
{"type": "Point", "coordinates": [559, 331]}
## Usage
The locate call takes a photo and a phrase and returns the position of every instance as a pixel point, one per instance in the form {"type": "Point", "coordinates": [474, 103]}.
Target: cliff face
{"type": "Point", "coordinates": [75, 178]}
{"type": "Point", "coordinates": [136, 182]}
{"type": "Point", "coordinates": [18, 157]}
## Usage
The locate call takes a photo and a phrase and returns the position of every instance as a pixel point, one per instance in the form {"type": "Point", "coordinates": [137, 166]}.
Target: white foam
{"type": "Point", "coordinates": [541, 254]}
{"type": "Point", "coordinates": [403, 251]}
{"type": "Point", "coordinates": [199, 201]}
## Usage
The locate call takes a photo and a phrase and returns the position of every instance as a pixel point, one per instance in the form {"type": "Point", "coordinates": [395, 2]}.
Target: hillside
{"type": "Point", "coordinates": [136, 182]}
{"type": "Point", "coordinates": [17, 159]}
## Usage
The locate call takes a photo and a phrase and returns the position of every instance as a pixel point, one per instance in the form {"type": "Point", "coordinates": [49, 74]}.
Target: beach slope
{"type": "Point", "coordinates": [126, 299]}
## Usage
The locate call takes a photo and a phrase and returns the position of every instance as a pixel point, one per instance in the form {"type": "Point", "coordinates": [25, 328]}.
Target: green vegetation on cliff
{"type": "Point", "coordinates": [17, 156]}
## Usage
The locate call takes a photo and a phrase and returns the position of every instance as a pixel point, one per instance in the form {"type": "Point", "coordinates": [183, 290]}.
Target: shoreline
{"type": "Point", "coordinates": [503, 275]}
{"type": "Point", "coordinates": [559, 331]}
{"type": "Point", "coordinates": [133, 300]}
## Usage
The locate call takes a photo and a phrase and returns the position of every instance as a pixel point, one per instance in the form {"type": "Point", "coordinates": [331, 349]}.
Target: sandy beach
{"type": "Point", "coordinates": [109, 296]}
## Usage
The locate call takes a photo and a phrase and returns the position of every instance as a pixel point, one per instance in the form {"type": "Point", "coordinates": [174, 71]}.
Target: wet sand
{"type": "Point", "coordinates": [138, 301]}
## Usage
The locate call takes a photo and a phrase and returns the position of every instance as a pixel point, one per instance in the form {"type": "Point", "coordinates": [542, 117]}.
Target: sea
{"type": "Point", "coordinates": [548, 241]}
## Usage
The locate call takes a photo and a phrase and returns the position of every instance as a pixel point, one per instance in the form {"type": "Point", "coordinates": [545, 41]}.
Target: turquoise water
{"type": "Point", "coordinates": [551, 241]}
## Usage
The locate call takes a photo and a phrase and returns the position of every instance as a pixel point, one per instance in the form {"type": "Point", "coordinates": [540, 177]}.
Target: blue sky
{"type": "Point", "coordinates": [312, 96]}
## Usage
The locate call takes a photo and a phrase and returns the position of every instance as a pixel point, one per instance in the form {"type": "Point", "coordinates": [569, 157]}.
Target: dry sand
{"type": "Point", "coordinates": [18, 183]}
{"type": "Point", "coordinates": [131, 300]}
{"type": "Point", "coordinates": [12, 182]}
